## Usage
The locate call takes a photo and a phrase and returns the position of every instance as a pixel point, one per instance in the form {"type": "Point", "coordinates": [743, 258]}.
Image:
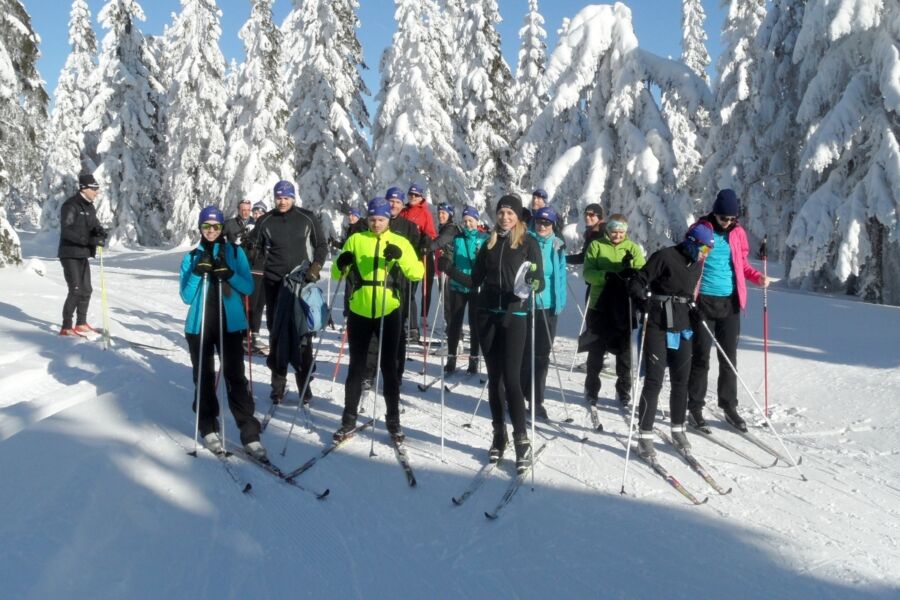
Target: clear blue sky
{"type": "Point", "coordinates": [656, 22]}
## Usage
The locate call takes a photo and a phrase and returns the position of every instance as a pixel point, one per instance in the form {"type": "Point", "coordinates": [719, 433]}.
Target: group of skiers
{"type": "Point", "coordinates": [512, 279]}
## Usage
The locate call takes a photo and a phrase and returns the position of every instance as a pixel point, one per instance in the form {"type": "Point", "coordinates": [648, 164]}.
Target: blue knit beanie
{"type": "Point", "coordinates": [211, 213]}
{"type": "Point", "coordinates": [727, 203]}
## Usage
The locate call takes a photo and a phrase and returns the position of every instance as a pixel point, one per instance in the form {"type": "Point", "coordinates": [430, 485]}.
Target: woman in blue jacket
{"type": "Point", "coordinates": [550, 303]}
{"type": "Point", "coordinates": [466, 245]}
{"type": "Point", "coordinates": [227, 281]}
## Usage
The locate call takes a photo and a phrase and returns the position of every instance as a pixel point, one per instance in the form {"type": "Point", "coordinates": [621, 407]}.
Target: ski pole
{"type": "Point", "coordinates": [249, 344]}
{"type": "Point", "coordinates": [477, 404]}
{"type": "Point", "coordinates": [580, 331]}
{"type": "Point", "coordinates": [222, 366]}
{"type": "Point", "coordinates": [203, 290]}
{"type": "Point", "coordinates": [425, 309]}
{"type": "Point", "coordinates": [752, 397]}
{"type": "Point", "coordinates": [442, 283]}
{"type": "Point", "coordinates": [562, 391]}
{"type": "Point", "coordinates": [765, 258]}
{"type": "Point", "coordinates": [430, 335]}
{"type": "Point", "coordinates": [337, 365]}
{"type": "Point", "coordinates": [310, 370]}
{"type": "Point", "coordinates": [533, 399]}
{"type": "Point", "coordinates": [634, 399]}
{"type": "Point", "coordinates": [378, 361]}
{"type": "Point", "coordinates": [103, 302]}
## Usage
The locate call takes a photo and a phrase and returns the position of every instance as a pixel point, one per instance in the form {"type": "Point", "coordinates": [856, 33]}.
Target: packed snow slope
{"type": "Point", "coordinates": [100, 498]}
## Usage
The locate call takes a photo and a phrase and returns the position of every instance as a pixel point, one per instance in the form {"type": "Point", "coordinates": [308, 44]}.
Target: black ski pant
{"type": "Point", "coordinates": [360, 332]}
{"type": "Point", "coordinates": [722, 315]}
{"type": "Point", "coordinates": [543, 344]}
{"type": "Point", "coordinates": [503, 341]}
{"type": "Point", "coordinates": [596, 359]}
{"type": "Point", "coordinates": [77, 272]}
{"type": "Point", "coordinates": [456, 303]}
{"type": "Point", "coordinates": [372, 358]}
{"type": "Point", "coordinates": [657, 356]}
{"type": "Point", "coordinates": [279, 377]}
{"type": "Point", "coordinates": [239, 400]}
{"type": "Point", "coordinates": [257, 304]}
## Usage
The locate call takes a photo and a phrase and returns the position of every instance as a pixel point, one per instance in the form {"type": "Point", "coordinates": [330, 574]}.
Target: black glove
{"type": "Point", "coordinates": [312, 273]}
{"type": "Point", "coordinates": [344, 260]}
{"type": "Point", "coordinates": [636, 289]}
{"type": "Point", "coordinates": [97, 241]}
{"type": "Point", "coordinates": [221, 269]}
{"type": "Point", "coordinates": [627, 274]}
{"type": "Point", "coordinates": [444, 263]}
{"type": "Point", "coordinates": [204, 265]}
{"type": "Point", "coordinates": [392, 252]}
{"type": "Point", "coordinates": [626, 261]}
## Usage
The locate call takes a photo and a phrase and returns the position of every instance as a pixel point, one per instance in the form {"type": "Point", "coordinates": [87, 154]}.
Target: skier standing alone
{"type": "Point", "coordinates": [218, 272]}
{"type": "Point", "coordinates": [373, 262]}
{"type": "Point", "coordinates": [723, 294]}
{"type": "Point", "coordinates": [502, 320]}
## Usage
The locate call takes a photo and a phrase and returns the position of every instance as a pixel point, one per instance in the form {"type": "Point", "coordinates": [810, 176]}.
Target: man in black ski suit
{"type": "Point", "coordinates": [284, 238]}
{"type": "Point", "coordinates": [80, 233]}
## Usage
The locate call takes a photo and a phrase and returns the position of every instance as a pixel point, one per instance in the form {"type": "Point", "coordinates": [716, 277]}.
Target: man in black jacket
{"type": "Point", "coordinates": [238, 227]}
{"type": "Point", "coordinates": [284, 238]}
{"type": "Point", "coordinates": [80, 233]}
{"type": "Point", "coordinates": [237, 231]}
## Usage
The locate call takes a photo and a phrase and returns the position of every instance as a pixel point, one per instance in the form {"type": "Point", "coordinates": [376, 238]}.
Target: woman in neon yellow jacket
{"type": "Point", "coordinates": [374, 261]}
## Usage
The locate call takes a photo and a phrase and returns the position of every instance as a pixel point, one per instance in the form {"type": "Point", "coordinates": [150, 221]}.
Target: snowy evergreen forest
{"type": "Point", "coordinates": [801, 117]}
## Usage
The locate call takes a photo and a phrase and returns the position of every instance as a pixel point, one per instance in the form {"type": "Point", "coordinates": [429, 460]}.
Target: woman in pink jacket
{"type": "Point", "coordinates": [722, 296]}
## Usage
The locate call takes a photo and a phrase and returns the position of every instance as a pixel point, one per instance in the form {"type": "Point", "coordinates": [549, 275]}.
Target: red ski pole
{"type": "Point", "coordinates": [763, 253]}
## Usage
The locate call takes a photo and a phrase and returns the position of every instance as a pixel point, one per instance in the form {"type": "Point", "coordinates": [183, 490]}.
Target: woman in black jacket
{"type": "Point", "coordinates": [502, 319]}
{"type": "Point", "coordinates": [669, 282]}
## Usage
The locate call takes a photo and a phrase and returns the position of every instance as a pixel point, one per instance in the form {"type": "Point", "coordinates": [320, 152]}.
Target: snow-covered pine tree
{"type": "Point", "coordinates": [195, 141]}
{"type": "Point", "coordinates": [690, 127]}
{"type": "Point", "coordinates": [484, 95]}
{"type": "Point", "coordinates": [769, 202]}
{"type": "Point", "coordinates": [122, 116]}
{"type": "Point", "coordinates": [626, 162]}
{"type": "Point", "coordinates": [258, 148]}
{"type": "Point", "coordinates": [732, 158]}
{"type": "Point", "coordinates": [23, 115]}
{"type": "Point", "coordinates": [64, 161]}
{"type": "Point", "coordinates": [10, 250]}
{"type": "Point", "coordinates": [846, 231]}
{"type": "Point", "coordinates": [413, 131]}
{"type": "Point", "coordinates": [332, 159]}
{"type": "Point", "coordinates": [528, 98]}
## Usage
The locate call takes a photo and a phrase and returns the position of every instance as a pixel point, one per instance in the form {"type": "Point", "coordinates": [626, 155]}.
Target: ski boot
{"type": "Point", "coordinates": [395, 431]}
{"type": "Point", "coordinates": [213, 443]}
{"type": "Point", "coordinates": [540, 413]}
{"type": "Point", "coordinates": [450, 366]}
{"type": "Point", "coordinates": [590, 399]}
{"type": "Point", "coordinates": [679, 438]}
{"type": "Point", "coordinates": [344, 432]}
{"type": "Point", "coordinates": [734, 419]}
{"type": "Point", "coordinates": [473, 365]}
{"type": "Point", "coordinates": [695, 415]}
{"type": "Point", "coordinates": [645, 445]}
{"type": "Point", "coordinates": [523, 454]}
{"type": "Point", "coordinates": [498, 445]}
{"type": "Point", "coordinates": [256, 451]}
{"type": "Point", "coordinates": [624, 400]}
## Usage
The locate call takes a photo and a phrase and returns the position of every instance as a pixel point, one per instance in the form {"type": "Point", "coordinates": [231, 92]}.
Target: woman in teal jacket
{"type": "Point", "coordinates": [466, 245]}
{"type": "Point", "coordinates": [219, 272]}
{"type": "Point", "coordinates": [550, 303]}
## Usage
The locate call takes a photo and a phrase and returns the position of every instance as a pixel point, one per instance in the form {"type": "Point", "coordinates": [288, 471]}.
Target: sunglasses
{"type": "Point", "coordinates": [726, 219]}
{"type": "Point", "coordinates": [211, 226]}
{"type": "Point", "coordinates": [543, 223]}
{"type": "Point", "coordinates": [590, 214]}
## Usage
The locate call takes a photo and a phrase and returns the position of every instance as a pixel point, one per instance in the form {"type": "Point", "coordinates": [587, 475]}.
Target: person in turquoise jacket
{"type": "Point", "coordinates": [466, 245]}
{"type": "Point", "coordinates": [218, 272]}
{"type": "Point", "coordinates": [550, 303]}
{"type": "Point", "coordinates": [608, 319]}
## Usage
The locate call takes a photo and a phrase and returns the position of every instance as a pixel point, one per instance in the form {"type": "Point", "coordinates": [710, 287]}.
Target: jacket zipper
{"type": "Point", "coordinates": [375, 274]}
{"type": "Point", "coordinates": [500, 270]}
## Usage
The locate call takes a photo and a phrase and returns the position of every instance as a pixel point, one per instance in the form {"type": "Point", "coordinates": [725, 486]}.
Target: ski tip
{"type": "Point", "coordinates": [584, 440]}
{"type": "Point", "coordinates": [247, 488]}
{"type": "Point", "coordinates": [600, 427]}
{"type": "Point", "coordinates": [323, 495]}
{"type": "Point", "coordinates": [570, 420]}
{"type": "Point", "coordinates": [726, 492]}
{"type": "Point", "coordinates": [491, 516]}
{"type": "Point", "coordinates": [467, 426]}
{"type": "Point", "coordinates": [456, 501]}
{"type": "Point", "coordinates": [421, 387]}
{"type": "Point", "coordinates": [701, 502]}
{"type": "Point", "coordinates": [192, 453]}
{"type": "Point", "coordinates": [413, 483]}
{"type": "Point", "coordinates": [803, 477]}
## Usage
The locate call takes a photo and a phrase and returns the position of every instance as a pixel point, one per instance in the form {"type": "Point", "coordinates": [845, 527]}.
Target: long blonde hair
{"type": "Point", "coordinates": [516, 236]}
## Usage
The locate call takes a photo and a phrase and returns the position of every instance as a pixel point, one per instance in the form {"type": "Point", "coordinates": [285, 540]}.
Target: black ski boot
{"type": "Point", "coordinates": [498, 445]}
{"type": "Point", "coordinates": [695, 414]}
{"type": "Point", "coordinates": [540, 413]}
{"type": "Point", "coordinates": [473, 365]}
{"type": "Point", "coordinates": [395, 431]}
{"type": "Point", "coordinates": [450, 366]}
{"type": "Point", "coordinates": [679, 438]}
{"type": "Point", "coordinates": [734, 419]}
{"type": "Point", "coordinates": [523, 454]}
{"type": "Point", "coordinates": [645, 445]}
{"type": "Point", "coordinates": [344, 432]}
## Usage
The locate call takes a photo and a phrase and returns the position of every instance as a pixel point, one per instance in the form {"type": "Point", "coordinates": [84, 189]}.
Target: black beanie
{"type": "Point", "coordinates": [512, 202]}
{"type": "Point", "coordinates": [596, 209]}
{"type": "Point", "coordinates": [727, 204]}
{"type": "Point", "coordinates": [87, 181]}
